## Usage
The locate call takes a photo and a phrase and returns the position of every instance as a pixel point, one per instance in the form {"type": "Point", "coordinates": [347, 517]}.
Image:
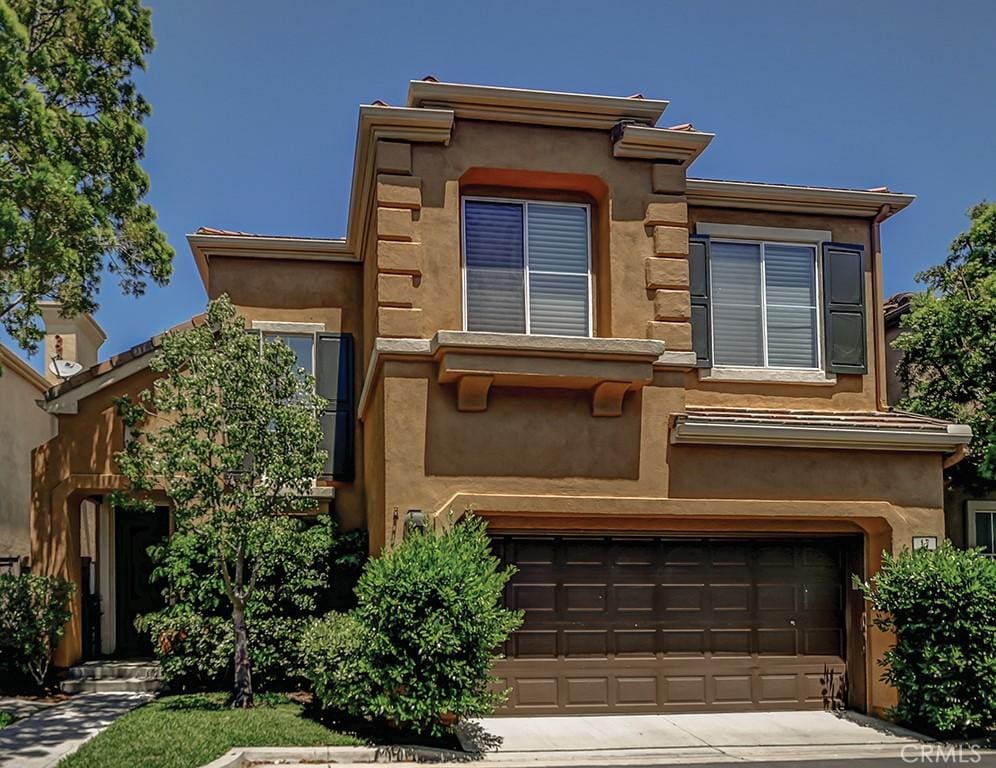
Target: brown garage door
{"type": "Point", "coordinates": [672, 625]}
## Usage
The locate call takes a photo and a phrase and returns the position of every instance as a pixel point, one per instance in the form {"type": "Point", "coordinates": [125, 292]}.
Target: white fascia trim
{"type": "Point", "coordinates": [819, 437]}
{"type": "Point", "coordinates": [522, 105]}
{"type": "Point", "coordinates": [807, 376]}
{"type": "Point", "coordinates": [273, 326]}
{"type": "Point", "coordinates": [68, 403]}
{"type": "Point", "coordinates": [749, 232]}
{"type": "Point", "coordinates": [787, 197]}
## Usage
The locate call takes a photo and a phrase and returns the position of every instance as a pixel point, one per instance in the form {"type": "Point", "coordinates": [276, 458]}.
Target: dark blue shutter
{"type": "Point", "coordinates": [335, 382]}
{"type": "Point", "coordinates": [844, 308]}
{"type": "Point", "coordinates": [698, 288]}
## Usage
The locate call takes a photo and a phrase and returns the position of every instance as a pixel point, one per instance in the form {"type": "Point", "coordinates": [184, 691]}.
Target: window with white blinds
{"type": "Point", "coordinates": [527, 267]}
{"type": "Point", "coordinates": [764, 304]}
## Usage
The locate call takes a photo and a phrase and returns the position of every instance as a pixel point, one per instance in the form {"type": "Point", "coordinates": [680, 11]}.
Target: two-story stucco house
{"type": "Point", "coordinates": [666, 394]}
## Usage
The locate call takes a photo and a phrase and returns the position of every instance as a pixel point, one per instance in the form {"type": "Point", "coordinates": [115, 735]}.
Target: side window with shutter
{"type": "Point", "coordinates": [698, 286]}
{"type": "Point", "coordinates": [334, 363]}
{"type": "Point", "coordinates": [844, 308]}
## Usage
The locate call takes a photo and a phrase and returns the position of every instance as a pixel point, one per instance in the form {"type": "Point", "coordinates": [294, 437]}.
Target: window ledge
{"type": "Point", "coordinates": [608, 368]}
{"type": "Point", "coordinates": [768, 376]}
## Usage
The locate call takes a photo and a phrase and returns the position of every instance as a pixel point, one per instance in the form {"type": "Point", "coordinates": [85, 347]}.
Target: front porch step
{"type": "Point", "coordinates": [113, 677]}
{"type": "Point", "coordinates": [112, 685]}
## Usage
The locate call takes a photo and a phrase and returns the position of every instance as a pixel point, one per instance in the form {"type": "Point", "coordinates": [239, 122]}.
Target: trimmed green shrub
{"type": "Point", "coordinates": [33, 615]}
{"type": "Point", "coordinates": [308, 569]}
{"type": "Point", "coordinates": [428, 620]}
{"type": "Point", "coordinates": [941, 605]}
{"type": "Point", "coordinates": [335, 659]}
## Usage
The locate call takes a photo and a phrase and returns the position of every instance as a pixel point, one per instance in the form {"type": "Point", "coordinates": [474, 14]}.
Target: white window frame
{"type": "Point", "coordinates": [524, 203]}
{"type": "Point", "coordinates": [288, 328]}
{"type": "Point", "coordinates": [817, 294]}
{"type": "Point", "coordinates": [973, 508]}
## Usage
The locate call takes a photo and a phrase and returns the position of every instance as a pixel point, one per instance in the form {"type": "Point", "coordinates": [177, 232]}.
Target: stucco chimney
{"type": "Point", "coordinates": [69, 338]}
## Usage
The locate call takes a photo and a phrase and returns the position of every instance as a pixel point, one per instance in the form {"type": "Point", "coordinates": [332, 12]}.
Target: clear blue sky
{"type": "Point", "coordinates": [255, 104]}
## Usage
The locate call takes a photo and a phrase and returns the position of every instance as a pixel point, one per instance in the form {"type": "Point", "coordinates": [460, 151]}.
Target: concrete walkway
{"type": "Point", "coordinates": [43, 739]}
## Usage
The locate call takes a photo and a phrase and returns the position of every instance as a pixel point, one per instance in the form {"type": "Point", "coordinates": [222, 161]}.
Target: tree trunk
{"type": "Point", "coordinates": [242, 696]}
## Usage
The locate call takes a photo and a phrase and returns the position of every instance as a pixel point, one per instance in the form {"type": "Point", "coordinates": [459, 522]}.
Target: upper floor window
{"type": "Point", "coordinates": [527, 266]}
{"type": "Point", "coordinates": [302, 345]}
{"type": "Point", "coordinates": [764, 304]}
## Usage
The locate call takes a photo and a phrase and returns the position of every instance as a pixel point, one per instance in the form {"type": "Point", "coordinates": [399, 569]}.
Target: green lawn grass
{"type": "Point", "coordinates": [189, 731]}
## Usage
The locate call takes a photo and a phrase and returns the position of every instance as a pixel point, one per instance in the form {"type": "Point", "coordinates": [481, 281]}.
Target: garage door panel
{"type": "Point", "coordinates": [635, 598]}
{"type": "Point", "coordinates": [728, 642]}
{"type": "Point", "coordinates": [585, 597]}
{"type": "Point", "coordinates": [776, 597]}
{"type": "Point", "coordinates": [636, 691]}
{"type": "Point", "coordinates": [537, 644]}
{"type": "Point", "coordinates": [732, 689]}
{"type": "Point", "coordinates": [777, 642]}
{"type": "Point", "coordinates": [534, 597]}
{"type": "Point", "coordinates": [586, 643]}
{"type": "Point", "coordinates": [731, 597]}
{"type": "Point", "coordinates": [636, 643]}
{"type": "Point", "coordinates": [635, 554]}
{"type": "Point", "coordinates": [657, 625]}
{"type": "Point", "coordinates": [683, 597]}
{"type": "Point", "coordinates": [585, 552]}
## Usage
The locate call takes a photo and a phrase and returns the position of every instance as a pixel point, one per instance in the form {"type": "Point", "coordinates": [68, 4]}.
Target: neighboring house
{"type": "Point", "coordinates": [969, 518]}
{"type": "Point", "coordinates": [667, 395]}
{"type": "Point", "coordinates": [23, 426]}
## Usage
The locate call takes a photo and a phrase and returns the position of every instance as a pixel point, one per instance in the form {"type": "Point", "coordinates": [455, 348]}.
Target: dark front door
{"type": "Point", "coordinates": [134, 533]}
{"type": "Point", "coordinates": [652, 624]}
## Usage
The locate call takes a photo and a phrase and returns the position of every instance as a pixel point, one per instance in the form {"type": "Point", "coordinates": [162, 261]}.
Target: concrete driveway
{"type": "Point", "coordinates": [706, 738]}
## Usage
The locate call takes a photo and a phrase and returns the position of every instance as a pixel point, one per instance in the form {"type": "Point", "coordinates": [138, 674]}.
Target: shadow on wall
{"type": "Point", "coordinates": [539, 433]}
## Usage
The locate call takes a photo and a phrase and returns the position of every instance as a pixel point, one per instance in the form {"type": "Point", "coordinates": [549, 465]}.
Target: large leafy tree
{"type": "Point", "coordinates": [949, 345]}
{"type": "Point", "coordinates": [71, 138]}
{"type": "Point", "coordinates": [231, 433]}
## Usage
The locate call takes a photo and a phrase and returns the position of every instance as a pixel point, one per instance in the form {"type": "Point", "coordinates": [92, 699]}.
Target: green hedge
{"type": "Point", "coordinates": [417, 650]}
{"type": "Point", "coordinates": [33, 615]}
{"type": "Point", "coordinates": [941, 604]}
{"type": "Point", "coordinates": [309, 568]}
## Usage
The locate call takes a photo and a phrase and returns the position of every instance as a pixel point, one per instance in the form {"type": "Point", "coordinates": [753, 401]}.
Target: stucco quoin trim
{"type": "Point", "coordinates": [871, 431]}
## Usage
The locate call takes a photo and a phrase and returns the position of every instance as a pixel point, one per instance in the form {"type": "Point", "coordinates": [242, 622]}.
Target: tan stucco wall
{"type": "Point", "coordinates": [23, 426]}
{"type": "Point", "coordinates": [301, 292]}
{"type": "Point", "coordinates": [537, 458]}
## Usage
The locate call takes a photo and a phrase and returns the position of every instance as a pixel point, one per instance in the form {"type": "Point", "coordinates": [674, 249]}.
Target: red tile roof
{"type": "Point", "coordinates": [105, 367]}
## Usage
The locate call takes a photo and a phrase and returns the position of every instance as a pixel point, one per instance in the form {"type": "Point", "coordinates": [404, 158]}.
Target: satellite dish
{"type": "Point", "coordinates": [64, 368]}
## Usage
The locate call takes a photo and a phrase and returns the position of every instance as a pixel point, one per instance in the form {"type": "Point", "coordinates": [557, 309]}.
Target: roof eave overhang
{"type": "Point", "coordinates": [205, 246]}
{"type": "Point", "coordinates": [382, 123]}
{"type": "Point", "coordinates": [662, 145]}
{"type": "Point", "coordinates": [63, 400]}
{"type": "Point", "coordinates": [531, 107]}
{"type": "Point", "coordinates": [782, 197]}
{"type": "Point", "coordinates": [948, 441]}
{"type": "Point", "coordinates": [10, 361]}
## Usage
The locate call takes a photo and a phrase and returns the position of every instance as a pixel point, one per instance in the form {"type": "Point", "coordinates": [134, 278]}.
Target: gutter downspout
{"type": "Point", "coordinates": [881, 392]}
{"type": "Point", "coordinates": [955, 457]}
